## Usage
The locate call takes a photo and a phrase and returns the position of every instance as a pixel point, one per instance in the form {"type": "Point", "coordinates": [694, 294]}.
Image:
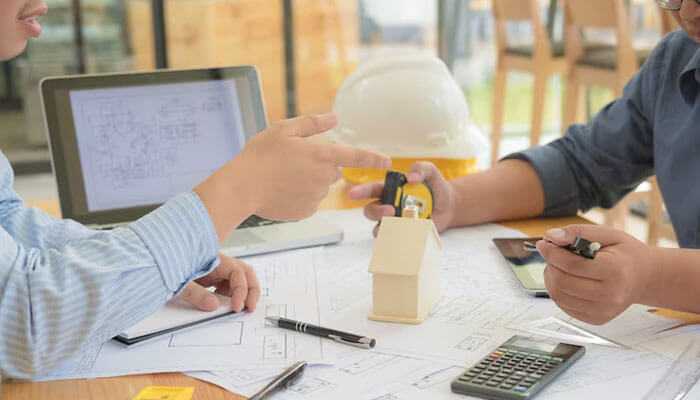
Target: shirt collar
{"type": "Point", "coordinates": [689, 81]}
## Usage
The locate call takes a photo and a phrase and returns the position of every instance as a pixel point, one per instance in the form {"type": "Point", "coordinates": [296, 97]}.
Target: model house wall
{"type": "Point", "coordinates": [405, 267]}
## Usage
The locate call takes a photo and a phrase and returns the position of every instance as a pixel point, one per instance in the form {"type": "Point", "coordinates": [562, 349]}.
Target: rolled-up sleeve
{"type": "Point", "coordinates": [597, 164]}
{"type": "Point", "coordinates": [179, 236]}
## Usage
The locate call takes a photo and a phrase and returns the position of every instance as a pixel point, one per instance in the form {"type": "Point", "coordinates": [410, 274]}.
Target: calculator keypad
{"type": "Point", "coordinates": [510, 370]}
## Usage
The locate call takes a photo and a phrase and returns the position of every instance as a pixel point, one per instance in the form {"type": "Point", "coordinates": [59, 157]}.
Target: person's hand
{"type": "Point", "coordinates": [596, 291]}
{"type": "Point", "coordinates": [232, 278]}
{"type": "Point", "coordinates": [443, 195]}
{"type": "Point", "coordinates": [281, 174]}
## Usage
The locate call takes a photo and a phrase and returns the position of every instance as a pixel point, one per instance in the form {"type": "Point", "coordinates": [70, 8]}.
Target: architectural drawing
{"type": "Point", "coordinates": [310, 386]}
{"type": "Point", "coordinates": [224, 333]}
{"type": "Point", "coordinates": [368, 363]}
{"type": "Point", "coordinates": [139, 145]}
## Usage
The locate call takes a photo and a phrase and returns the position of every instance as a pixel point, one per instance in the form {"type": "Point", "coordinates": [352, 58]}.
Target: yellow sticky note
{"type": "Point", "coordinates": [165, 393]}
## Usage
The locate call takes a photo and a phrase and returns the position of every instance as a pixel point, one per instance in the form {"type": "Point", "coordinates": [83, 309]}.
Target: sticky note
{"type": "Point", "coordinates": [165, 393]}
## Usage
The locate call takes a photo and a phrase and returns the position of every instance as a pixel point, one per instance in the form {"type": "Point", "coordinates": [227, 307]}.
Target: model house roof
{"type": "Point", "coordinates": [400, 246]}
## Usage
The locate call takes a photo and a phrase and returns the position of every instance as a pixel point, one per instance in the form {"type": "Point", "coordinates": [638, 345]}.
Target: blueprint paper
{"type": "Point", "coordinates": [373, 375]}
{"type": "Point", "coordinates": [288, 289]}
{"type": "Point", "coordinates": [481, 303]}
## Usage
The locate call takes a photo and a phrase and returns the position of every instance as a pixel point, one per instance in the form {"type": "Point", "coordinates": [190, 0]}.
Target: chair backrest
{"type": "Point", "coordinates": [668, 23]}
{"type": "Point", "coordinates": [600, 14]}
{"type": "Point", "coordinates": [505, 11]}
{"type": "Point", "coordinates": [593, 13]}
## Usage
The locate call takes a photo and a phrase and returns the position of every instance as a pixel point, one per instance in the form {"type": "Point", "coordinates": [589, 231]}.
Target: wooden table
{"type": "Point", "coordinates": [125, 388]}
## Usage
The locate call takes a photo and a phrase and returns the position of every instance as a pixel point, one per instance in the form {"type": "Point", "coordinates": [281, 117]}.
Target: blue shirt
{"type": "Point", "coordinates": [66, 289]}
{"type": "Point", "coordinates": [654, 128]}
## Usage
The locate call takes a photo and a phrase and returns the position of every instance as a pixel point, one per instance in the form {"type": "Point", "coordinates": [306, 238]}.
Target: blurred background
{"type": "Point", "coordinates": [303, 49]}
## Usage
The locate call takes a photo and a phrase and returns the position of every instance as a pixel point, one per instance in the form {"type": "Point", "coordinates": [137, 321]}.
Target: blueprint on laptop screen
{"type": "Point", "coordinates": [142, 145]}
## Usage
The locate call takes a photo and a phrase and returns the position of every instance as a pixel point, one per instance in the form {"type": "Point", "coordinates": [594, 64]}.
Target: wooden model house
{"type": "Point", "coordinates": [405, 267]}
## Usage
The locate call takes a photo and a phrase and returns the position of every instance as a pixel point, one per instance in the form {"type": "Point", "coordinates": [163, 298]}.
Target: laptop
{"type": "Point", "coordinates": [123, 144]}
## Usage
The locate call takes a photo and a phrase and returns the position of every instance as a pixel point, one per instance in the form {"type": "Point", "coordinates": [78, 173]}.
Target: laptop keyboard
{"type": "Point", "coordinates": [254, 221]}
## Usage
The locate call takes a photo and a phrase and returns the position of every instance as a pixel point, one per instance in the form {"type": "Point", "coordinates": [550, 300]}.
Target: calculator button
{"type": "Point", "coordinates": [492, 383]}
{"type": "Point", "coordinates": [546, 358]}
{"type": "Point", "coordinates": [557, 360]}
{"type": "Point", "coordinates": [493, 369]}
{"type": "Point", "coordinates": [520, 389]}
{"type": "Point", "coordinates": [478, 381]}
{"type": "Point", "coordinates": [506, 386]}
{"type": "Point", "coordinates": [536, 376]}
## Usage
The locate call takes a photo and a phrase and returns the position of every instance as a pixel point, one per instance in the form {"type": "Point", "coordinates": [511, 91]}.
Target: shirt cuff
{"type": "Point", "coordinates": [558, 182]}
{"type": "Point", "coordinates": [181, 238]}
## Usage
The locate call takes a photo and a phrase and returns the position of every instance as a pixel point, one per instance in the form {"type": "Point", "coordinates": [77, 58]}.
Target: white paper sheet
{"type": "Point", "coordinates": [481, 302]}
{"type": "Point", "coordinates": [372, 375]}
{"type": "Point", "coordinates": [288, 289]}
{"type": "Point", "coordinates": [330, 286]}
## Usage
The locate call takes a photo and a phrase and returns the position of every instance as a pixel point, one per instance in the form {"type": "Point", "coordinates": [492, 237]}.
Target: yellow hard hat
{"type": "Point", "coordinates": [407, 107]}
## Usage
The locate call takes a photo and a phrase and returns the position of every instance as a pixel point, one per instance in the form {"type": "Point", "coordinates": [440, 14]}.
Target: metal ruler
{"type": "Point", "coordinates": [681, 377]}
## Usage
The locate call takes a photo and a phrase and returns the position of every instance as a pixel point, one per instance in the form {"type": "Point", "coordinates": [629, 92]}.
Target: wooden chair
{"type": "Point", "coordinates": [543, 59]}
{"type": "Point", "coordinates": [608, 66]}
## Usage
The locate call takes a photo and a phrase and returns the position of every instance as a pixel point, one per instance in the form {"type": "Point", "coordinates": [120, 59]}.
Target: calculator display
{"type": "Point", "coordinates": [529, 344]}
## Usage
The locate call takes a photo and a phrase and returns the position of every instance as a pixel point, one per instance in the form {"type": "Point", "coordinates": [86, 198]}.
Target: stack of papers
{"type": "Point", "coordinates": [482, 305]}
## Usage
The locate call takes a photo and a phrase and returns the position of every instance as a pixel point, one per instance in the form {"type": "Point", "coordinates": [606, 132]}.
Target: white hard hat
{"type": "Point", "coordinates": [406, 106]}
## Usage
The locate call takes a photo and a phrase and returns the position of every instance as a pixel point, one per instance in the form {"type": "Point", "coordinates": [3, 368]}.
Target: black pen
{"type": "Point", "coordinates": [282, 381]}
{"type": "Point", "coordinates": [336, 336]}
{"type": "Point", "coordinates": [581, 247]}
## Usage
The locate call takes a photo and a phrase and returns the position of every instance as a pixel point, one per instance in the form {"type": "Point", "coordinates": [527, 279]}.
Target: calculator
{"type": "Point", "coordinates": [517, 370]}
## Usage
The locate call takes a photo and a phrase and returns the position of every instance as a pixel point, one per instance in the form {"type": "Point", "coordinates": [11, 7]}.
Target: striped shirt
{"type": "Point", "coordinates": [66, 289]}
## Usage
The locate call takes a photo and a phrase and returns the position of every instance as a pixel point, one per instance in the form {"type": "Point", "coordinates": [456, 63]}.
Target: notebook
{"type": "Point", "coordinates": [177, 315]}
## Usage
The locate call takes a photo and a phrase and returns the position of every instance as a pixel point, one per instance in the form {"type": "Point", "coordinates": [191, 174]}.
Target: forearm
{"type": "Point", "coordinates": [59, 303]}
{"type": "Point", "coordinates": [228, 198]}
{"type": "Point", "coordinates": [510, 190]}
{"type": "Point", "coordinates": [676, 282]}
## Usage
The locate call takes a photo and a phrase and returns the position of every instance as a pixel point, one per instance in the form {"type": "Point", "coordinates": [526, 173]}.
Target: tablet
{"type": "Point", "coordinates": [527, 265]}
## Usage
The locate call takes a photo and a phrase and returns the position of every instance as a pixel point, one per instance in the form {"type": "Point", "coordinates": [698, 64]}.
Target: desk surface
{"type": "Point", "coordinates": [125, 388]}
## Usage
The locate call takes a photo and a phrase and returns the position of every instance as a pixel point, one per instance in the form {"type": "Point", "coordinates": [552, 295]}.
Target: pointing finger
{"type": "Point", "coordinates": [309, 125]}
{"type": "Point", "coordinates": [345, 156]}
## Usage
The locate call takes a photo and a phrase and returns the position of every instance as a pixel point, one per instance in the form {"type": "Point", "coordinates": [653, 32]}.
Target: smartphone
{"type": "Point", "coordinates": [527, 264]}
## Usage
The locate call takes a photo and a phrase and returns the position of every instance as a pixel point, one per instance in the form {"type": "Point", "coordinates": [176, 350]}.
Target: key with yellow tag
{"type": "Point", "coordinates": [165, 393]}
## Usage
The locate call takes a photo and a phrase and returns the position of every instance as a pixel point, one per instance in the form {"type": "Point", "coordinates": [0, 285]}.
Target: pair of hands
{"type": "Point", "coordinates": [593, 291]}
{"type": "Point", "coordinates": [283, 173]}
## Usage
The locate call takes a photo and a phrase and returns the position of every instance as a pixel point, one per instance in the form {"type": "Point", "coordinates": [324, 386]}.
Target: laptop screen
{"type": "Point", "coordinates": [124, 146]}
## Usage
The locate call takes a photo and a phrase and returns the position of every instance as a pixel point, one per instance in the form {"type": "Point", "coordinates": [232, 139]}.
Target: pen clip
{"type": "Point", "coordinates": [339, 339]}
